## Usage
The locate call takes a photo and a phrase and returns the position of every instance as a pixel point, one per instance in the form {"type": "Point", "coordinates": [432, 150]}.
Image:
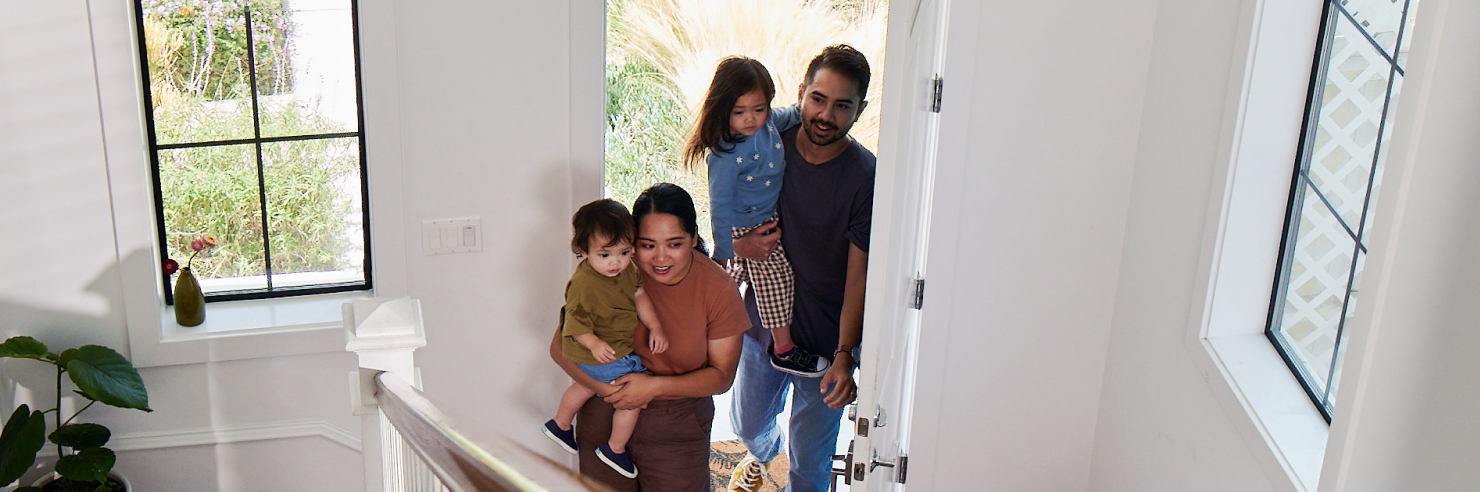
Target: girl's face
{"type": "Point", "coordinates": [750, 113]}
{"type": "Point", "coordinates": [664, 250]}
{"type": "Point", "coordinates": [608, 260]}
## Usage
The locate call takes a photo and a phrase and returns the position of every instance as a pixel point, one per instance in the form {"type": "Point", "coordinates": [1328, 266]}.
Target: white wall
{"type": "Point", "coordinates": [479, 92]}
{"type": "Point", "coordinates": [1161, 427]}
{"type": "Point", "coordinates": [1038, 142]}
{"type": "Point", "coordinates": [1406, 419]}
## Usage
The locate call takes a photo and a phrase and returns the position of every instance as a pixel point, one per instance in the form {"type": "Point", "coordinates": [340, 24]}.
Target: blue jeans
{"type": "Point", "coordinates": [610, 371]}
{"type": "Point", "coordinates": [760, 393]}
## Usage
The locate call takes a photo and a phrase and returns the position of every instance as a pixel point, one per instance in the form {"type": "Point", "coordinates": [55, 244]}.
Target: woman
{"type": "Point", "coordinates": [704, 317]}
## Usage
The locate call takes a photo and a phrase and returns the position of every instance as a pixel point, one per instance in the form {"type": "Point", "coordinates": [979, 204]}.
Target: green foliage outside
{"type": "Point", "coordinates": [645, 137]}
{"type": "Point", "coordinates": [200, 93]}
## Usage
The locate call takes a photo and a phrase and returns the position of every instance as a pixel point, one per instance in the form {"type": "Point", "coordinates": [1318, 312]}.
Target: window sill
{"type": "Point", "coordinates": [1282, 416]}
{"type": "Point", "coordinates": [252, 329]}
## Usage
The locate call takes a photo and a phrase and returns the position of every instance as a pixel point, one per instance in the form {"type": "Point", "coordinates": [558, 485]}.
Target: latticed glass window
{"type": "Point", "coordinates": [1355, 83]}
{"type": "Point", "coordinates": [254, 126]}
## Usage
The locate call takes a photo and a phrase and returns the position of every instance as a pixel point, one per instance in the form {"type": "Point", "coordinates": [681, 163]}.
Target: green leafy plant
{"type": "Point", "coordinates": [101, 375]}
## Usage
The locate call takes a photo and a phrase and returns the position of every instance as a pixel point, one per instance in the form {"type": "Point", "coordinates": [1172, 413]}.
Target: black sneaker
{"type": "Point", "coordinates": [565, 438]}
{"type": "Point", "coordinates": [799, 362]}
{"type": "Point", "coordinates": [621, 462]}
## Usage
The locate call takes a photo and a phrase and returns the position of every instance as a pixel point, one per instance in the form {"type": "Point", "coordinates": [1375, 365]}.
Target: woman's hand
{"type": "Point", "coordinates": [839, 378]}
{"type": "Point", "coordinates": [637, 389]}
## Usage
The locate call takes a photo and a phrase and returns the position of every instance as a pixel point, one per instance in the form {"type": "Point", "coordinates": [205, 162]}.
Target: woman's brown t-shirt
{"type": "Point", "coordinates": [704, 306]}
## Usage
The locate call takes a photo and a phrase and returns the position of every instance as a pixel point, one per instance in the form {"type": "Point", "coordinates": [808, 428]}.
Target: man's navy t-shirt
{"type": "Point", "coordinates": [824, 208]}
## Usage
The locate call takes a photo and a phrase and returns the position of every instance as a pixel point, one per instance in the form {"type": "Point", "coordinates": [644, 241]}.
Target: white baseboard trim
{"type": "Point", "coordinates": [227, 434]}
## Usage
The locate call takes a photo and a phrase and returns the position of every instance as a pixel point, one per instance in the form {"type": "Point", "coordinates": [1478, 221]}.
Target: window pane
{"type": "Point", "coordinates": [313, 203]}
{"type": "Point", "coordinates": [1387, 133]}
{"type": "Point", "coordinates": [305, 67]}
{"type": "Point", "coordinates": [198, 81]}
{"type": "Point", "coordinates": [1380, 18]}
{"type": "Point", "coordinates": [213, 190]}
{"type": "Point", "coordinates": [1354, 95]}
{"type": "Point", "coordinates": [1408, 33]}
{"type": "Point", "coordinates": [1315, 290]}
{"type": "Point", "coordinates": [1351, 309]}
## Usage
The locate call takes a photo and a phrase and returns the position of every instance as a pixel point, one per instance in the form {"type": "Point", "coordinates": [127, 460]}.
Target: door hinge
{"type": "Point", "coordinates": [904, 465]}
{"type": "Point", "coordinates": [935, 91]}
{"type": "Point", "coordinates": [919, 294]}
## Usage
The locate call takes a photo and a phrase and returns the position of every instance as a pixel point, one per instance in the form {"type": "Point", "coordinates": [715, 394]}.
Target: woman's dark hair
{"type": "Point", "coordinates": [671, 199]}
{"type": "Point", "coordinates": [846, 61]}
{"type": "Point", "coordinates": [735, 77]}
{"type": "Point", "coordinates": [604, 217]}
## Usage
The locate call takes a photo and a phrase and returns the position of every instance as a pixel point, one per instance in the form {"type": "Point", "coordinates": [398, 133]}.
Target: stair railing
{"type": "Point", "coordinates": [408, 444]}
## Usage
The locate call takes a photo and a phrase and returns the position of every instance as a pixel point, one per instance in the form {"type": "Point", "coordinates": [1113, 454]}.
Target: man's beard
{"type": "Point", "coordinates": [837, 134]}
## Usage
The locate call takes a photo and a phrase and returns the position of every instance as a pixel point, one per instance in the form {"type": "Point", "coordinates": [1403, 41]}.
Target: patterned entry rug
{"type": "Point", "coordinates": [724, 455]}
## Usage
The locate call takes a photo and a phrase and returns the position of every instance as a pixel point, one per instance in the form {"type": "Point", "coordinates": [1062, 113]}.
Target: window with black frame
{"type": "Point", "coordinates": [254, 128]}
{"type": "Point", "coordinates": [1355, 82]}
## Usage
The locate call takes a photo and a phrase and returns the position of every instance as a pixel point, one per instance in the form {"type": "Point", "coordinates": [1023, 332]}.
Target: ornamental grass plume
{"type": "Point", "coordinates": [685, 40]}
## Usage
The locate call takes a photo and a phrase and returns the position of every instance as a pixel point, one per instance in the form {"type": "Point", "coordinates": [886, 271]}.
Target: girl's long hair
{"type": "Point", "coordinates": [735, 77]}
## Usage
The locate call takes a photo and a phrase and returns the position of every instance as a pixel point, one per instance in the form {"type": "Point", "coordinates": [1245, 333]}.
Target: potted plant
{"type": "Point", "coordinates": [101, 375]}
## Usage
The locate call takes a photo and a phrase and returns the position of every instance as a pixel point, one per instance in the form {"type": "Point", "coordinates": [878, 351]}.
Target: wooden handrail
{"type": "Point", "coordinates": [497, 466]}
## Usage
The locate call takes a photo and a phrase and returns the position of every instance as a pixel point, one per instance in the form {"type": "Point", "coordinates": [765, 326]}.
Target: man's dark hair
{"type": "Point", "coordinates": [844, 60]}
{"type": "Point", "coordinates": [604, 217]}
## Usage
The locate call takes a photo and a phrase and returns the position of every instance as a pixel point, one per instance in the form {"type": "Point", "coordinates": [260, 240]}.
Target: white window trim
{"type": "Point", "coordinates": [1266, 100]}
{"type": "Point", "coordinates": [239, 329]}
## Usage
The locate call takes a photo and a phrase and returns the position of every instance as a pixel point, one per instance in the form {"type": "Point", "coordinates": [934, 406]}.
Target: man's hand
{"type": "Point", "coordinates": [637, 390]}
{"type": "Point", "coordinates": [839, 378]}
{"type": "Point", "coordinates": [759, 242]}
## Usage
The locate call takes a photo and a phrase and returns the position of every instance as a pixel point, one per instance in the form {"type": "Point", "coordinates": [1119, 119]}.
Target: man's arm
{"type": "Point", "coordinates": [715, 377]}
{"type": "Point", "coordinates": [850, 331]}
{"type": "Point", "coordinates": [575, 372]}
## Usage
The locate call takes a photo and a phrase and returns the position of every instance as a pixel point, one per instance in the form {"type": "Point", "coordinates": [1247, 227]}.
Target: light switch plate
{"type": "Point", "coordinates": [447, 236]}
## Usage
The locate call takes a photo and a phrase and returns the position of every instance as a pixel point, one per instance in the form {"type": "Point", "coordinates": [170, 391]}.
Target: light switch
{"type": "Point", "coordinates": [446, 236]}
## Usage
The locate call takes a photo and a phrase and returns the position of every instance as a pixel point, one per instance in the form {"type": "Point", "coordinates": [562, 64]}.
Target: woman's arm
{"type": "Point", "coordinates": [575, 372]}
{"type": "Point", "coordinates": [715, 377]}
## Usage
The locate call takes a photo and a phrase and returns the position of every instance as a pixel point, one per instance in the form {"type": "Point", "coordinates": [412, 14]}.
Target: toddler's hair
{"type": "Point", "coordinates": [736, 76]}
{"type": "Point", "coordinates": [604, 217]}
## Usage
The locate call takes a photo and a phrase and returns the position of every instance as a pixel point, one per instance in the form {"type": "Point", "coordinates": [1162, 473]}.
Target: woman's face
{"type": "Point", "coordinates": [664, 250]}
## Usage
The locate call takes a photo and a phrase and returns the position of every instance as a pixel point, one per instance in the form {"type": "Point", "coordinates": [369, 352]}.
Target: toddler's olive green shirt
{"type": "Point", "coordinates": [600, 305]}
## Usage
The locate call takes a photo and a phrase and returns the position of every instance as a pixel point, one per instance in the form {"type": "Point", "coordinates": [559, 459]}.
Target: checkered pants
{"type": "Point", "coordinates": [772, 280]}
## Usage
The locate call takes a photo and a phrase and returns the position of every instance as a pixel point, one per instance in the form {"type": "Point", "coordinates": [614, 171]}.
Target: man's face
{"type": "Point", "coordinates": [829, 106]}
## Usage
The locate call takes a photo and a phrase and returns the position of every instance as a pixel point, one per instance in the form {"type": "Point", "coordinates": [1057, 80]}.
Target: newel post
{"type": "Point", "coordinates": [384, 333]}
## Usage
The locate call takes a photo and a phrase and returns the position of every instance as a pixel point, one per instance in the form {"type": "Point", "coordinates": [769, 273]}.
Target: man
{"type": "Point", "coordinates": [826, 207]}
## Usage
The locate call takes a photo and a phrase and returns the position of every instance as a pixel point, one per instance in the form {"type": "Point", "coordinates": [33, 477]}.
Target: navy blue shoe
{"type": "Point", "coordinates": [565, 438]}
{"type": "Point", "coordinates": [621, 462]}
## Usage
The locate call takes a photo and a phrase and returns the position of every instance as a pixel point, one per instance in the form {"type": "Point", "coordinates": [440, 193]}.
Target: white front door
{"type": "Point", "coordinates": [901, 230]}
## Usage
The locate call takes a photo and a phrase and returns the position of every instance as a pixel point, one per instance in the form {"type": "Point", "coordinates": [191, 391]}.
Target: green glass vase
{"type": "Point", "coordinates": [190, 303]}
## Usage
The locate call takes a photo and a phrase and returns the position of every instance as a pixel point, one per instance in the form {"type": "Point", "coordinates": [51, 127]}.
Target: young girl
{"type": "Point", "coordinates": [741, 135]}
{"type": "Point", "coordinates": [603, 302]}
